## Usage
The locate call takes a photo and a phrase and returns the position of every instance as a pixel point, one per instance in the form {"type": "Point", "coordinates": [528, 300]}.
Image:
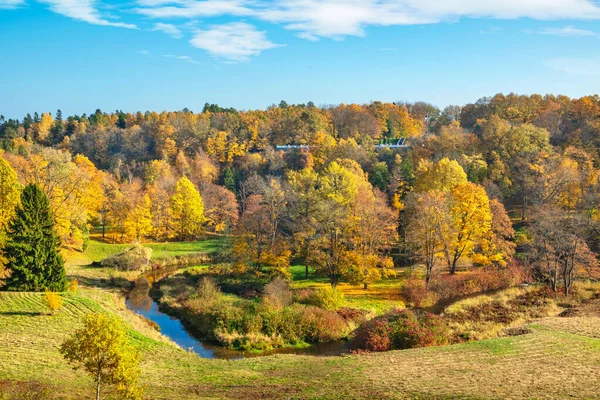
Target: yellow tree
{"type": "Point", "coordinates": [442, 175]}
{"type": "Point", "coordinates": [374, 232]}
{"type": "Point", "coordinates": [223, 147]}
{"type": "Point", "coordinates": [138, 222]}
{"type": "Point", "coordinates": [10, 193]}
{"type": "Point", "coordinates": [471, 222]}
{"type": "Point", "coordinates": [102, 348]}
{"type": "Point", "coordinates": [187, 209]}
{"type": "Point", "coordinates": [42, 129]}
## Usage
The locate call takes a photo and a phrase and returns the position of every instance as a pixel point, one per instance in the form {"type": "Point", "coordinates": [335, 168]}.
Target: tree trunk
{"type": "Point", "coordinates": [306, 270]}
{"type": "Point", "coordinates": [524, 206]}
{"type": "Point", "coordinates": [98, 387]}
{"type": "Point", "coordinates": [365, 286]}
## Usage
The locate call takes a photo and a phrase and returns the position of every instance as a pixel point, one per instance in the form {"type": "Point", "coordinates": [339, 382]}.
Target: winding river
{"type": "Point", "coordinates": [140, 302]}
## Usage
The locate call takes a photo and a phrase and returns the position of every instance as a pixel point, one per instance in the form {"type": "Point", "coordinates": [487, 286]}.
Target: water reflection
{"type": "Point", "coordinates": [140, 302]}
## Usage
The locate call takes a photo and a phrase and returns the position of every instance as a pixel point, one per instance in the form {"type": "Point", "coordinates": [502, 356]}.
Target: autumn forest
{"type": "Point", "coordinates": [365, 227]}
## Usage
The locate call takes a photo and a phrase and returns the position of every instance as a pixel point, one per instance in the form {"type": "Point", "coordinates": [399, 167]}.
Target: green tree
{"type": "Point", "coordinates": [32, 248]}
{"type": "Point", "coordinates": [187, 209]}
{"type": "Point", "coordinates": [101, 347]}
{"type": "Point", "coordinates": [229, 179]}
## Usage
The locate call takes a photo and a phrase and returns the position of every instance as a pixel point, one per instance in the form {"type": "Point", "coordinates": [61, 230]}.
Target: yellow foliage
{"type": "Point", "coordinates": [101, 347]}
{"type": "Point", "coordinates": [73, 286]}
{"type": "Point", "coordinates": [443, 175]}
{"type": "Point", "coordinates": [187, 209]}
{"type": "Point", "coordinates": [53, 301]}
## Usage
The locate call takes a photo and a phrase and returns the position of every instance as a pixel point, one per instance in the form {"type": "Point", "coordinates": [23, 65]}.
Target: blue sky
{"type": "Point", "coordinates": [79, 55]}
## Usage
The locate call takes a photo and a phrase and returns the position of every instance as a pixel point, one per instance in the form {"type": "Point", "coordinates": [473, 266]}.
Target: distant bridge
{"type": "Point", "coordinates": [395, 144]}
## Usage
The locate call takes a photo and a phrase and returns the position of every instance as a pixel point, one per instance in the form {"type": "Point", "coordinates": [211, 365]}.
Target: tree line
{"type": "Point", "coordinates": [341, 206]}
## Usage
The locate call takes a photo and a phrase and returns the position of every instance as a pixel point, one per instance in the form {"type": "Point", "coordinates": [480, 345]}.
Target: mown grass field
{"type": "Point", "coordinates": [98, 250]}
{"type": "Point", "coordinates": [549, 363]}
{"type": "Point", "coordinates": [559, 359]}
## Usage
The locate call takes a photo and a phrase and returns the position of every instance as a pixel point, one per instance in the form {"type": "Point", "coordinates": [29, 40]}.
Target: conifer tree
{"type": "Point", "coordinates": [32, 248]}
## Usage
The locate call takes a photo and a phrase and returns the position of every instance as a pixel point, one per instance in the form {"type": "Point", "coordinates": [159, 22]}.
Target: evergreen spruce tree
{"type": "Point", "coordinates": [32, 248]}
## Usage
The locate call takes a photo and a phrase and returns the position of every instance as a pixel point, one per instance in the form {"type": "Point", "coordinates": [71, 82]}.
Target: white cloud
{"type": "Point", "coordinates": [82, 10]}
{"type": "Point", "coordinates": [144, 52]}
{"type": "Point", "coordinates": [8, 4]}
{"type": "Point", "coordinates": [339, 18]}
{"type": "Point", "coordinates": [236, 41]}
{"type": "Point", "coordinates": [575, 66]}
{"type": "Point", "coordinates": [192, 8]}
{"type": "Point", "coordinates": [187, 59]}
{"type": "Point", "coordinates": [169, 29]}
{"type": "Point", "coordinates": [494, 30]}
{"type": "Point", "coordinates": [567, 31]}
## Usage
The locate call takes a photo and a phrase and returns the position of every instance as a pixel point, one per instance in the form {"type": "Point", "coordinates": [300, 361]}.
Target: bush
{"type": "Point", "coordinates": [328, 298]}
{"type": "Point", "coordinates": [208, 291]}
{"type": "Point", "coordinates": [53, 301]}
{"type": "Point", "coordinates": [73, 286]}
{"type": "Point", "coordinates": [136, 258]}
{"type": "Point", "coordinates": [278, 292]}
{"type": "Point", "coordinates": [415, 293]}
{"type": "Point", "coordinates": [400, 329]}
{"type": "Point", "coordinates": [477, 281]}
{"type": "Point", "coordinates": [318, 325]}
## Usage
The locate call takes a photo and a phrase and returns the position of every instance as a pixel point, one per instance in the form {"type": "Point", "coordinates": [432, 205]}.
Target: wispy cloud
{"type": "Point", "coordinates": [339, 18]}
{"type": "Point", "coordinates": [8, 4]}
{"type": "Point", "coordinates": [83, 10]}
{"type": "Point", "coordinates": [575, 66]}
{"type": "Point", "coordinates": [144, 52]}
{"type": "Point", "coordinates": [192, 8]}
{"type": "Point", "coordinates": [187, 59]}
{"type": "Point", "coordinates": [236, 41]}
{"type": "Point", "coordinates": [169, 29]}
{"type": "Point", "coordinates": [567, 31]}
{"type": "Point", "coordinates": [494, 30]}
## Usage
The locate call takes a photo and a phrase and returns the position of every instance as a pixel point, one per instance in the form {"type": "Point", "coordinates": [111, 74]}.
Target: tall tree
{"type": "Point", "coordinates": [428, 223]}
{"type": "Point", "coordinates": [187, 209]}
{"type": "Point", "coordinates": [471, 222]}
{"type": "Point", "coordinates": [32, 249]}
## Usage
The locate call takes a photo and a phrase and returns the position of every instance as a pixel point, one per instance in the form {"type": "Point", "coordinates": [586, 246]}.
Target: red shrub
{"type": "Point", "coordinates": [476, 281]}
{"type": "Point", "coordinates": [401, 329]}
{"type": "Point", "coordinates": [414, 292]}
{"type": "Point", "coordinates": [373, 336]}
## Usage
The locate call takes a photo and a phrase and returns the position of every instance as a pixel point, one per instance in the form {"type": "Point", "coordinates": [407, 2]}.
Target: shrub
{"type": "Point", "coordinates": [476, 281]}
{"type": "Point", "coordinates": [318, 325]}
{"type": "Point", "coordinates": [278, 292]}
{"type": "Point", "coordinates": [377, 336]}
{"type": "Point", "coordinates": [208, 291]}
{"type": "Point", "coordinates": [414, 292]}
{"type": "Point", "coordinates": [355, 315]}
{"type": "Point", "coordinates": [410, 331]}
{"type": "Point", "coordinates": [328, 298]}
{"type": "Point", "coordinates": [73, 286]}
{"type": "Point", "coordinates": [136, 258]}
{"type": "Point", "coordinates": [400, 329]}
{"type": "Point", "coordinates": [53, 301]}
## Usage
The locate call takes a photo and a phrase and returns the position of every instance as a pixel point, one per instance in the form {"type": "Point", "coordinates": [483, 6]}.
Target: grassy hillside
{"type": "Point", "coordinates": [559, 358]}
